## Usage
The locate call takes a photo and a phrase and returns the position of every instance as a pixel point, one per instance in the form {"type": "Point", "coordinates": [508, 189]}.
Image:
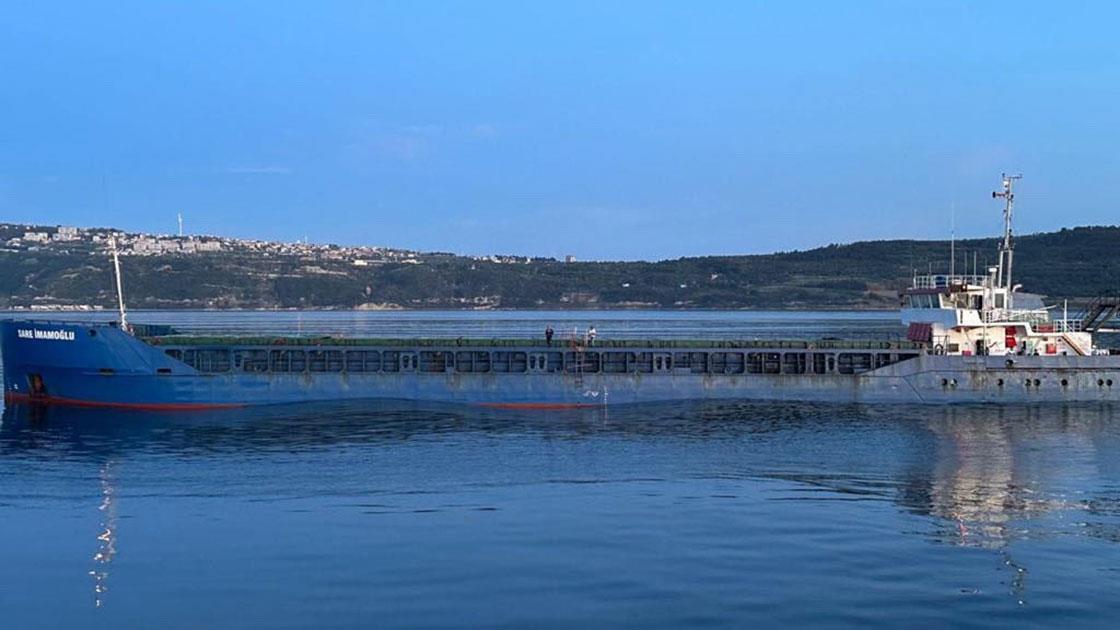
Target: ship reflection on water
{"type": "Point", "coordinates": [107, 538]}
{"type": "Point", "coordinates": [990, 480]}
{"type": "Point", "coordinates": [996, 470]}
{"type": "Point", "coordinates": [981, 478]}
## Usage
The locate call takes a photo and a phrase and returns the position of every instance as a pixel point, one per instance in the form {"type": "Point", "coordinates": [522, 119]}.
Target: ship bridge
{"type": "Point", "coordinates": [987, 314]}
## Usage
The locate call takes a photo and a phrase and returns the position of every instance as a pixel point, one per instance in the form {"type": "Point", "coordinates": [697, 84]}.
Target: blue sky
{"type": "Point", "coordinates": [609, 130]}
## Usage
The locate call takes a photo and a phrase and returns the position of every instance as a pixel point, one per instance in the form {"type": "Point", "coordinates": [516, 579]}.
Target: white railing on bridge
{"type": "Point", "coordinates": [943, 280]}
{"type": "Point", "coordinates": [1039, 319]}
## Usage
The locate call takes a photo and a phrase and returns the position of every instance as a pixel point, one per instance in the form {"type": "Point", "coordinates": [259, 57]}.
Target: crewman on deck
{"type": "Point", "coordinates": [591, 336]}
{"type": "Point", "coordinates": [548, 334]}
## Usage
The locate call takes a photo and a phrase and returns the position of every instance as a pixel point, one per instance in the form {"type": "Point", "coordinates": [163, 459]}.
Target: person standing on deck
{"type": "Point", "coordinates": [548, 335]}
{"type": "Point", "coordinates": [591, 336]}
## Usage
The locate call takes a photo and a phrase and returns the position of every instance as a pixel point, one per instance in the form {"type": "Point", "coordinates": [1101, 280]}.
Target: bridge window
{"type": "Point", "coordinates": [823, 363]}
{"type": "Point", "coordinates": [924, 300]}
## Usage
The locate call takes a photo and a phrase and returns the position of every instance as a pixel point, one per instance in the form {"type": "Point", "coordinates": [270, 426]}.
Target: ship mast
{"type": "Point", "coordinates": [953, 242]}
{"type": "Point", "coordinates": [120, 285]}
{"type": "Point", "coordinates": [1006, 249]}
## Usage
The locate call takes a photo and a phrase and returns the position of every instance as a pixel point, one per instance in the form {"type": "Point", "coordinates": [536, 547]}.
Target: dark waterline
{"type": "Point", "coordinates": [728, 515]}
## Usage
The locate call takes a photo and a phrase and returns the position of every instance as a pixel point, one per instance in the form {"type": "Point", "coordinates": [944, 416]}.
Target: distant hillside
{"type": "Point", "coordinates": [1073, 263]}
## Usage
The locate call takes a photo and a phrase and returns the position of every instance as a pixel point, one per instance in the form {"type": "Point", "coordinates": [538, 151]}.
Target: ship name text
{"type": "Point", "coordinates": [49, 335]}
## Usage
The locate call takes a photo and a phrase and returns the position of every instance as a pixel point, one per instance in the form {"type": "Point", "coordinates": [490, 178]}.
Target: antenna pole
{"type": "Point", "coordinates": [120, 285]}
{"type": "Point", "coordinates": [1007, 247]}
{"type": "Point", "coordinates": [952, 242]}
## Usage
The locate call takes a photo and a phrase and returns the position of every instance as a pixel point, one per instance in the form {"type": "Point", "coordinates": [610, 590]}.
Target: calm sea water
{"type": "Point", "coordinates": [721, 515]}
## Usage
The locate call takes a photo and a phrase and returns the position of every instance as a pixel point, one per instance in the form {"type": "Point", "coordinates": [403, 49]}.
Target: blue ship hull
{"type": "Point", "coordinates": [101, 365]}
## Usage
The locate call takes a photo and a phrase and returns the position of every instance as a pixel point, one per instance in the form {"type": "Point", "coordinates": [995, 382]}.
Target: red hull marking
{"type": "Point", "coordinates": [544, 406]}
{"type": "Point", "coordinates": [12, 397]}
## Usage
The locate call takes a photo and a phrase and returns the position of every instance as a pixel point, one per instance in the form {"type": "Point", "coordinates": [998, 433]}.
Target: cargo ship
{"type": "Point", "coordinates": [968, 338]}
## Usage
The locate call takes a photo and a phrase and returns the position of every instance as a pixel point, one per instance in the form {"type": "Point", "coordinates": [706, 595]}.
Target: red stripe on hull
{"type": "Point", "coordinates": [543, 406]}
{"type": "Point", "coordinates": [13, 397]}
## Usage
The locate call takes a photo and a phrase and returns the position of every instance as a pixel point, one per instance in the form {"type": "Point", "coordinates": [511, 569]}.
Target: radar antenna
{"type": "Point", "coordinates": [1007, 247]}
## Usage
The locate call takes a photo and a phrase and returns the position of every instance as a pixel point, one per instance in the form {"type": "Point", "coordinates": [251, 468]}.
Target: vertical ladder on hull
{"type": "Point", "coordinates": [577, 369]}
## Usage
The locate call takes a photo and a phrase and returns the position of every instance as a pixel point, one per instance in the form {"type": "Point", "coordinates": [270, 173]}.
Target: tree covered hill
{"type": "Point", "coordinates": [1073, 263]}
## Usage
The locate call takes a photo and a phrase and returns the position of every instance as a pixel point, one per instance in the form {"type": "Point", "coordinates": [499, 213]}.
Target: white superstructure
{"type": "Point", "coordinates": [987, 314]}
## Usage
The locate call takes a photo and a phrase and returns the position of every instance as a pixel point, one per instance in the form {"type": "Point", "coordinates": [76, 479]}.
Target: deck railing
{"type": "Point", "coordinates": [1039, 319]}
{"type": "Point", "coordinates": [559, 345]}
{"type": "Point", "coordinates": [1033, 317]}
{"type": "Point", "coordinates": [942, 280]}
